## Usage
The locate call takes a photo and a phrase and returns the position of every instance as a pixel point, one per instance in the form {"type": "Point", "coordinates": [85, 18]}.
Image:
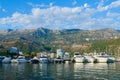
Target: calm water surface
{"type": "Point", "coordinates": [77, 71]}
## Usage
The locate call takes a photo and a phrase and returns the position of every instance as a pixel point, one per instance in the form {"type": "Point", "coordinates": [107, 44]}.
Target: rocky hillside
{"type": "Point", "coordinates": [48, 40]}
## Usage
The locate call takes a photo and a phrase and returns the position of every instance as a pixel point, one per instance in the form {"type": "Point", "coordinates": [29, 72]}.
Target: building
{"type": "Point", "coordinates": [52, 55]}
{"type": "Point", "coordinates": [60, 53]}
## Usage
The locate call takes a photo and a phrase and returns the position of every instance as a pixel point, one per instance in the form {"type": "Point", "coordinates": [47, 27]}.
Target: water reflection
{"type": "Point", "coordinates": [78, 66]}
{"type": "Point", "coordinates": [35, 67]}
{"type": "Point", "coordinates": [43, 69]}
{"type": "Point", "coordinates": [91, 70]}
{"type": "Point", "coordinates": [77, 71]}
{"type": "Point", "coordinates": [6, 66]}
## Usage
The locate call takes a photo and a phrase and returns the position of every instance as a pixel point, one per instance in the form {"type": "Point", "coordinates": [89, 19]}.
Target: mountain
{"type": "Point", "coordinates": [42, 39]}
{"type": "Point", "coordinates": [111, 47]}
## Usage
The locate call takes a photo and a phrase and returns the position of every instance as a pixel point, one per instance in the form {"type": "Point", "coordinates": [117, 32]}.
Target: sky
{"type": "Point", "coordinates": [59, 14]}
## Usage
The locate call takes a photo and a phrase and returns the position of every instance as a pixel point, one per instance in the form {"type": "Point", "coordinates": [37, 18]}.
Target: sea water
{"type": "Point", "coordinates": [66, 71]}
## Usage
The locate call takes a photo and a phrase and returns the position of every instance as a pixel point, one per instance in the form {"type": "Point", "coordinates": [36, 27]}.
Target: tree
{"type": "Point", "coordinates": [33, 54]}
{"type": "Point", "coordinates": [27, 54]}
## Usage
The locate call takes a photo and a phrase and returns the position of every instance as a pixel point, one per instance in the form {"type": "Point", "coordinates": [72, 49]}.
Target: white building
{"type": "Point", "coordinates": [60, 53]}
{"type": "Point", "coordinates": [52, 55]}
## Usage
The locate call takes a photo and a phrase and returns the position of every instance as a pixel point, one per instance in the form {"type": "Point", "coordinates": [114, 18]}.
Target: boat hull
{"type": "Point", "coordinates": [6, 60]}
{"type": "Point", "coordinates": [89, 59]}
{"type": "Point", "coordinates": [22, 61]}
{"type": "Point", "coordinates": [14, 61]}
{"type": "Point", "coordinates": [79, 60]}
{"type": "Point", "coordinates": [101, 60]}
{"type": "Point", "coordinates": [35, 61]}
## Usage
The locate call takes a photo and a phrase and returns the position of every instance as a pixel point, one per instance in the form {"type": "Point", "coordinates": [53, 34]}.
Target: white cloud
{"type": "Point", "coordinates": [55, 17]}
{"type": "Point", "coordinates": [109, 14]}
{"type": "Point", "coordinates": [101, 7]}
{"type": "Point", "coordinates": [114, 4]}
{"type": "Point", "coordinates": [37, 5]}
{"type": "Point", "coordinates": [42, 5]}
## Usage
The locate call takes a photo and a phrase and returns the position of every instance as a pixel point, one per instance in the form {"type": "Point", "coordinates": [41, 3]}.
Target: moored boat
{"type": "Point", "coordinates": [6, 60]}
{"type": "Point", "coordinates": [1, 58]}
{"type": "Point", "coordinates": [43, 59]}
{"type": "Point", "coordinates": [110, 59]}
{"type": "Point", "coordinates": [89, 59]}
{"type": "Point", "coordinates": [100, 59]}
{"type": "Point", "coordinates": [35, 60]}
{"type": "Point", "coordinates": [21, 59]}
{"type": "Point", "coordinates": [14, 61]}
{"type": "Point", "coordinates": [79, 59]}
{"type": "Point", "coordinates": [104, 58]}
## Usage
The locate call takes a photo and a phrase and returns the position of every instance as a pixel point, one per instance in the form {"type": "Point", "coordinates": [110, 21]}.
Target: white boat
{"type": "Point", "coordinates": [35, 60]}
{"type": "Point", "coordinates": [43, 59]}
{"type": "Point", "coordinates": [28, 60]}
{"type": "Point", "coordinates": [100, 59]}
{"type": "Point", "coordinates": [6, 60]}
{"type": "Point", "coordinates": [89, 59]}
{"type": "Point", "coordinates": [1, 58]}
{"type": "Point", "coordinates": [14, 61]}
{"type": "Point", "coordinates": [21, 59]}
{"type": "Point", "coordinates": [79, 59]}
{"type": "Point", "coordinates": [76, 54]}
{"type": "Point", "coordinates": [104, 58]}
{"type": "Point", "coordinates": [110, 58]}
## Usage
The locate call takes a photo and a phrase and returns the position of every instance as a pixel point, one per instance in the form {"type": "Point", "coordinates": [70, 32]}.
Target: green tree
{"type": "Point", "coordinates": [27, 54]}
{"type": "Point", "coordinates": [33, 54]}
